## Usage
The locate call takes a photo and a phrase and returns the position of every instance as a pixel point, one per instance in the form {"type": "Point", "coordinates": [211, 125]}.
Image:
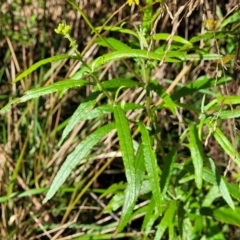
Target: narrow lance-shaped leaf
{"type": "Point", "coordinates": [8, 105]}
{"type": "Point", "coordinates": [37, 92]}
{"type": "Point", "coordinates": [150, 217]}
{"type": "Point", "coordinates": [204, 56]}
{"type": "Point", "coordinates": [208, 176]}
{"type": "Point", "coordinates": [40, 63]}
{"type": "Point", "coordinates": [123, 54]}
{"type": "Point", "coordinates": [117, 83]}
{"type": "Point", "coordinates": [41, 91]}
{"type": "Point", "coordinates": [202, 83]}
{"type": "Point", "coordinates": [222, 185]}
{"type": "Point", "coordinates": [196, 150]}
{"type": "Point", "coordinates": [117, 29]}
{"type": "Point", "coordinates": [151, 165]}
{"type": "Point", "coordinates": [126, 146]}
{"type": "Point", "coordinates": [130, 201]}
{"type": "Point", "coordinates": [227, 146]}
{"type": "Point", "coordinates": [75, 157]}
{"type": "Point", "coordinates": [154, 86]}
{"type": "Point", "coordinates": [54, 87]}
{"type": "Point", "coordinates": [227, 215]}
{"type": "Point", "coordinates": [83, 113]}
{"type": "Point", "coordinates": [115, 43]}
{"type": "Point", "coordinates": [223, 214]}
{"type": "Point", "coordinates": [166, 36]}
{"type": "Point", "coordinates": [166, 221]}
{"type": "Point", "coordinates": [80, 113]}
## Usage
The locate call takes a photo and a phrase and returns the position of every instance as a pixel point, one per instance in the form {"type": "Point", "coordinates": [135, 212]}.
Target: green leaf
{"type": "Point", "coordinates": [208, 176]}
{"type": "Point", "coordinates": [187, 107]}
{"type": "Point", "coordinates": [114, 188]}
{"type": "Point", "coordinates": [147, 16]}
{"type": "Point", "coordinates": [228, 114]}
{"type": "Point", "coordinates": [211, 196]}
{"type": "Point", "coordinates": [117, 29]}
{"type": "Point", "coordinates": [79, 115]}
{"type": "Point", "coordinates": [214, 231]}
{"type": "Point", "coordinates": [197, 155]}
{"type": "Point", "coordinates": [203, 56]}
{"type": "Point", "coordinates": [130, 53]}
{"type": "Point", "coordinates": [33, 191]}
{"type": "Point", "coordinates": [228, 100]}
{"type": "Point", "coordinates": [167, 220]}
{"type": "Point", "coordinates": [150, 217]}
{"type": "Point", "coordinates": [167, 171]}
{"type": "Point", "coordinates": [165, 36]}
{"type": "Point", "coordinates": [151, 166]}
{"type": "Point", "coordinates": [226, 145]}
{"type": "Point", "coordinates": [75, 157]}
{"type": "Point", "coordinates": [8, 105]}
{"type": "Point", "coordinates": [224, 215]}
{"type": "Point", "coordinates": [114, 43]}
{"type": "Point", "coordinates": [154, 86]}
{"type": "Point", "coordinates": [208, 36]}
{"type": "Point", "coordinates": [199, 84]}
{"type": "Point", "coordinates": [130, 199]}
{"type": "Point", "coordinates": [235, 17]}
{"type": "Point", "coordinates": [84, 112]}
{"type": "Point", "coordinates": [115, 203]}
{"type": "Point", "coordinates": [187, 232]}
{"type": "Point", "coordinates": [222, 185]}
{"type": "Point", "coordinates": [126, 146]}
{"type": "Point", "coordinates": [42, 62]}
{"type": "Point", "coordinates": [132, 106]}
{"type": "Point", "coordinates": [233, 189]}
{"type": "Point", "coordinates": [117, 83]}
{"type": "Point", "coordinates": [181, 55]}
{"type": "Point", "coordinates": [55, 87]}
{"type": "Point", "coordinates": [5, 199]}
{"type": "Point", "coordinates": [139, 168]}
{"type": "Point", "coordinates": [37, 92]}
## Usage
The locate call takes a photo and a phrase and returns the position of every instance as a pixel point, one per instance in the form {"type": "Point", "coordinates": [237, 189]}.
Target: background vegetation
{"type": "Point", "coordinates": [121, 123]}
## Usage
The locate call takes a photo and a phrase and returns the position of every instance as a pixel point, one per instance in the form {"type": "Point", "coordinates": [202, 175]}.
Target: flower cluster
{"type": "Point", "coordinates": [131, 1]}
{"type": "Point", "coordinates": [63, 29]}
